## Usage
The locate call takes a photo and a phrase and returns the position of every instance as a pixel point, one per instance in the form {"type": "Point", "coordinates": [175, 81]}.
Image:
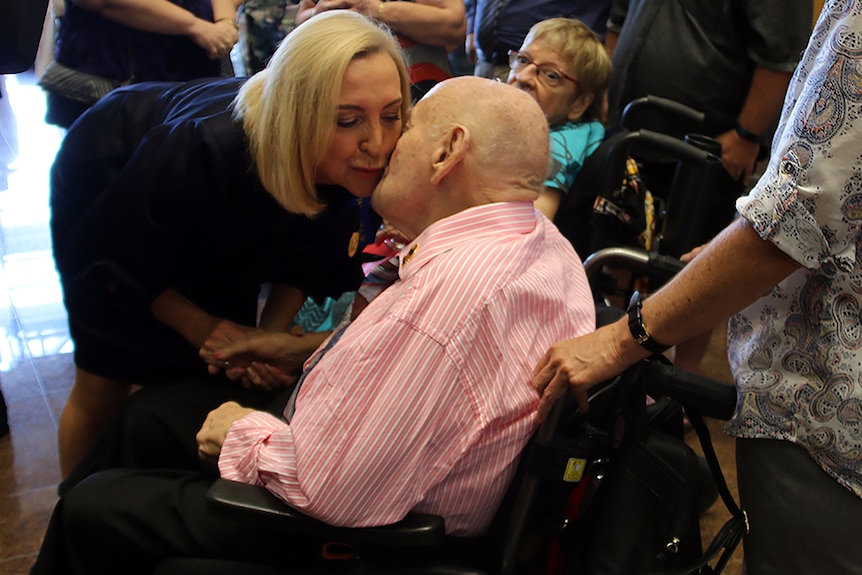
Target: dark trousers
{"type": "Point", "coordinates": [133, 521]}
{"type": "Point", "coordinates": [139, 495]}
{"type": "Point", "coordinates": [802, 520]}
{"type": "Point", "coordinates": [157, 426]}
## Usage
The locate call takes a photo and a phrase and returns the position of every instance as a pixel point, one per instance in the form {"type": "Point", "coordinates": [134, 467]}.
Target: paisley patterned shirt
{"type": "Point", "coordinates": [796, 354]}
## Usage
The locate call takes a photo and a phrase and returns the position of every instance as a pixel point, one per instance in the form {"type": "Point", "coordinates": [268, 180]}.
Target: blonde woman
{"type": "Point", "coordinates": [173, 203]}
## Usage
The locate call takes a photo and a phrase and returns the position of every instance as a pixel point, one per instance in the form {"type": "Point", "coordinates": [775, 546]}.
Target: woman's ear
{"type": "Point", "coordinates": [579, 106]}
{"type": "Point", "coordinates": [451, 151]}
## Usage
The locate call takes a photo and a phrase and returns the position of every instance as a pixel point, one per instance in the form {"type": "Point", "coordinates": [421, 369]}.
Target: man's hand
{"type": "Point", "coordinates": [738, 156]}
{"type": "Point", "coordinates": [212, 434]}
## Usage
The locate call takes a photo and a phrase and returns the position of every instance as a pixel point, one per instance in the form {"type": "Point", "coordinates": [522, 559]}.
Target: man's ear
{"type": "Point", "coordinates": [451, 151]}
{"type": "Point", "coordinates": [579, 106]}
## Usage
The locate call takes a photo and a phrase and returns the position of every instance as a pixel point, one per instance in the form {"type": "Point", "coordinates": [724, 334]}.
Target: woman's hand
{"type": "Point", "coordinates": [267, 359]}
{"type": "Point", "coordinates": [222, 335]}
{"type": "Point", "coordinates": [582, 362]}
{"type": "Point", "coordinates": [215, 38]}
{"type": "Point", "coordinates": [310, 8]}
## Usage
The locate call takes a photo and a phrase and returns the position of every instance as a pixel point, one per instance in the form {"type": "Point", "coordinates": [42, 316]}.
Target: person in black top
{"type": "Point", "coordinates": [172, 204]}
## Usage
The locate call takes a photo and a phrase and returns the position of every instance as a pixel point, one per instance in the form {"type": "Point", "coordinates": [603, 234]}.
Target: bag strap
{"type": "Point", "coordinates": [730, 534]}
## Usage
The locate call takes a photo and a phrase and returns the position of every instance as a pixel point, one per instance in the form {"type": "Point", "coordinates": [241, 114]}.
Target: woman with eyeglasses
{"type": "Point", "coordinates": [564, 66]}
{"type": "Point", "coordinates": [172, 204]}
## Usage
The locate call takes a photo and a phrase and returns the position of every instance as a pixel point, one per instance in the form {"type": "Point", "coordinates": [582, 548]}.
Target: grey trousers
{"type": "Point", "coordinates": [802, 520]}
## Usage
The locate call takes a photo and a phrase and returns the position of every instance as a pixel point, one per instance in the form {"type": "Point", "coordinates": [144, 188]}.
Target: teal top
{"type": "Point", "coordinates": [571, 143]}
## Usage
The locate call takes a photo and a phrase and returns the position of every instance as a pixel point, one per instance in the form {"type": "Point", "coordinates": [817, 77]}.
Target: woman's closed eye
{"type": "Point", "coordinates": [348, 122]}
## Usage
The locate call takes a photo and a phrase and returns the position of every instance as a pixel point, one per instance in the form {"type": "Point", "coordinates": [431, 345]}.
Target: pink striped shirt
{"type": "Point", "coordinates": [425, 403]}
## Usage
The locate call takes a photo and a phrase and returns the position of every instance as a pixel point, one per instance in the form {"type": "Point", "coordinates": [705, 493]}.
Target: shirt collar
{"type": "Point", "coordinates": [465, 227]}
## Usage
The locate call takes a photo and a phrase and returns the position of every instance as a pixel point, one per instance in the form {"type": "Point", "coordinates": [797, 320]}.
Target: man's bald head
{"type": "Point", "coordinates": [470, 141]}
{"type": "Point", "coordinates": [510, 131]}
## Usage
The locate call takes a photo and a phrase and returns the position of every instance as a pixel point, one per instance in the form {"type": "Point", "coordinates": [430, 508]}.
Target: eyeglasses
{"type": "Point", "coordinates": [547, 74]}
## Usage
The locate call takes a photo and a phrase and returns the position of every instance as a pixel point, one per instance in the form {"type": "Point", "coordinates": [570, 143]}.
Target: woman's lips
{"type": "Point", "coordinates": [369, 172]}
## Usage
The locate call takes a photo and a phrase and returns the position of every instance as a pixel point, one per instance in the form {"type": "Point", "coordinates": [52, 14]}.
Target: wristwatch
{"type": "Point", "coordinates": [639, 330]}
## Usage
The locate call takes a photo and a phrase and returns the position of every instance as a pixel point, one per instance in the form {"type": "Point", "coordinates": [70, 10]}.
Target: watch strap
{"type": "Point", "coordinates": [746, 135]}
{"type": "Point", "coordinates": [639, 330]}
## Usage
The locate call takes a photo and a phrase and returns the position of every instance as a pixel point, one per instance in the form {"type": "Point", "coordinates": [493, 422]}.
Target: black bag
{"type": "Point", "coordinates": [644, 515]}
{"type": "Point", "coordinates": [645, 518]}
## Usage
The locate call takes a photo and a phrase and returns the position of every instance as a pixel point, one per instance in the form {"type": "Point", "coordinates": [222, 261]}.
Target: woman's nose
{"type": "Point", "coordinates": [527, 74]}
{"type": "Point", "coordinates": [373, 141]}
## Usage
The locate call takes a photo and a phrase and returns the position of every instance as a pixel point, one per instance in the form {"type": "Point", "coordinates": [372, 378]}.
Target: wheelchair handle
{"type": "Point", "coordinates": [653, 142]}
{"type": "Point", "coordinates": [706, 396]}
{"type": "Point", "coordinates": [637, 260]}
{"type": "Point", "coordinates": [668, 109]}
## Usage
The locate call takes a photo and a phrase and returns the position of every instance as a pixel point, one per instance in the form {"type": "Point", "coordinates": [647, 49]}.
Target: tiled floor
{"type": "Point", "coordinates": [35, 363]}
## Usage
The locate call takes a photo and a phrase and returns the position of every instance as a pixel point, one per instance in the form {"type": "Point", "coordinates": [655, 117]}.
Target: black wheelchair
{"type": "Point", "coordinates": [607, 491]}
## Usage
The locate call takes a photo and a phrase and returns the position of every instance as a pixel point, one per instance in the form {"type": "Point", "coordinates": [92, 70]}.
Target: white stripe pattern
{"type": "Point", "coordinates": [425, 403]}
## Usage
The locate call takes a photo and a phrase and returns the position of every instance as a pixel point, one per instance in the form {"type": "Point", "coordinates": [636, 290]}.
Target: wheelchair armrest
{"type": "Point", "coordinates": [255, 503]}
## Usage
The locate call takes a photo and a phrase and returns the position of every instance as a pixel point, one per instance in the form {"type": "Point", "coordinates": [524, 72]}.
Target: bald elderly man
{"type": "Point", "coordinates": [422, 403]}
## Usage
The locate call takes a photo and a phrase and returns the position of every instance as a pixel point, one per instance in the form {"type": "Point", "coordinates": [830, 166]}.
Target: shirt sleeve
{"type": "Point", "coordinates": [368, 432]}
{"type": "Point", "coordinates": [617, 16]}
{"type": "Point", "coordinates": [777, 32]}
{"type": "Point", "coordinates": [470, 7]}
{"type": "Point", "coordinates": [807, 201]}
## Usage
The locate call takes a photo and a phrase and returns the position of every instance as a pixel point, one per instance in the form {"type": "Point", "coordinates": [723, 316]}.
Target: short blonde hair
{"type": "Point", "coordinates": [289, 109]}
{"type": "Point", "coordinates": [583, 49]}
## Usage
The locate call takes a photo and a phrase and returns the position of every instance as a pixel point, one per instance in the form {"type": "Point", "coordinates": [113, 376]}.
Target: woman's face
{"type": "Point", "coordinates": [558, 102]}
{"type": "Point", "coordinates": [368, 125]}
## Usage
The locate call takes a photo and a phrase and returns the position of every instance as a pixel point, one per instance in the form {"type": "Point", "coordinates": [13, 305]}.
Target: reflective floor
{"type": "Point", "coordinates": [35, 363]}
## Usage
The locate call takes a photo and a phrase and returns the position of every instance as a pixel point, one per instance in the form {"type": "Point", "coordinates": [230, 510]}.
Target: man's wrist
{"type": "Point", "coordinates": [747, 135]}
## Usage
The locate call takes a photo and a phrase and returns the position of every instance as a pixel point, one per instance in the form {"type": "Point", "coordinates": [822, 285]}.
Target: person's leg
{"type": "Point", "coordinates": [157, 425]}
{"type": "Point", "coordinates": [93, 403]}
{"type": "Point", "coordinates": [802, 520]}
{"type": "Point", "coordinates": [126, 521]}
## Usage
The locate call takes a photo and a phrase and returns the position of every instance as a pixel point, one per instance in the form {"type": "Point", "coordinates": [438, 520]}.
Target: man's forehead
{"type": "Point", "coordinates": [424, 109]}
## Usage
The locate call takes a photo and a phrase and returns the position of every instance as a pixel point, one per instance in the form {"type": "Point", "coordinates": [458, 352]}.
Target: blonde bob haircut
{"type": "Point", "coordinates": [583, 50]}
{"type": "Point", "coordinates": [289, 109]}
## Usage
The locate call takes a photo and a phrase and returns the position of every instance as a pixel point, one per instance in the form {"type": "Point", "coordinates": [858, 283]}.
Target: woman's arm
{"type": "Point", "coordinates": [431, 22]}
{"type": "Point", "coordinates": [164, 17]}
{"type": "Point", "coordinates": [733, 271]}
{"type": "Point", "coordinates": [225, 10]}
{"type": "Point", "coordinates": [184, 317]}
{"type": "Point", "coordinates": [281, 307]}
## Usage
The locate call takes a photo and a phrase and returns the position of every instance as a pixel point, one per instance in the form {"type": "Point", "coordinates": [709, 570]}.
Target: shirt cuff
{"type": "Point", "coordinates": [239, 453]}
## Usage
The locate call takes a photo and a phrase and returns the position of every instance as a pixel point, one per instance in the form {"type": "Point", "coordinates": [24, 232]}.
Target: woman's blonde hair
{"type": "Point", "coordinates": [289, 109]}
{"type": "Point", "coordinates": [583, 48]}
